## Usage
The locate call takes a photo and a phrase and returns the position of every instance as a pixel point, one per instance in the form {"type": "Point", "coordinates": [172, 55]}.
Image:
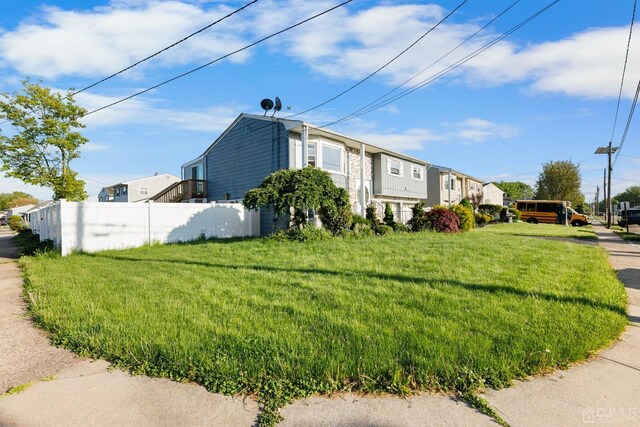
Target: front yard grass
{"type": "Point", "coordinates": [540, 230]}
{"type": "Point", "coordinates": [282, 320]}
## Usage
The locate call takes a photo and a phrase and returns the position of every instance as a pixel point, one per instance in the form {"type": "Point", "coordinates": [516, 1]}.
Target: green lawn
{"type": "Point", "coordinates": [398, 313]}
{"type": "Point", "coordinates": [540, 230]}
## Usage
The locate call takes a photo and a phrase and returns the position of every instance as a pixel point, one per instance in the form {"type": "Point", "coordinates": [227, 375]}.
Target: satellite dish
{"type": "Point", "coordinates": [278, 104]}
{"type": "Point", "coordinates": [266, 105]}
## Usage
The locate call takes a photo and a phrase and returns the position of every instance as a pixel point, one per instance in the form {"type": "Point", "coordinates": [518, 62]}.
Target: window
{"type": "Point", "coordinates": [331, 158]}
{"type": "Point", "coordinates": [143, 191]}
{"type": "Point", "coordinates": [124, 191]}
{"type": "Point", "coordinates": [394, 167]}
{"type": "Point", "coordinates": [117, 191]}
{"type": "Point", "coordinates": [417, 172]}
{"type": "Point", "coordinates": [311, 154]}
{"type": "Point", "coordinates": [448, 183]}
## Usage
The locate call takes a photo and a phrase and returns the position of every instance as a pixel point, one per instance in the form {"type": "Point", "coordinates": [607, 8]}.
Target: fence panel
{"type": "Point", "coordinates": [95, 226]}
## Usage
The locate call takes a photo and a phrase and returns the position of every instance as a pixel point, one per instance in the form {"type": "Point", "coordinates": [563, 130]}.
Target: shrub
{"type": "Point", "coordinates": [399, 227]}
{"type": "Point", "coordinates": [388, 215]}
{"type": "Point", "coordinates": [362, 230]}
{"type": "Point", "coordinates": [310, 233]}
{"type": "Point", "coordinates": [418, 221]}
{"type": "Point", "coordinates": [493, 210]}
{"type": "Point", "coordinates": [30, 244]}
{"type": "Point", "coordinates": [16, 223]}
{"type": "Point", "coordinates": [358, 219]}
{"type": "Point", "coordinates": [466, 203]}
{"type": "Point", "coordinates": [335, 219]}
{"type": "Point", "coordinates": [482, 219]}
{"type": "Point", "coordinates": [383, 229]}
{"type": "Point", "coordinates": [465, 216]}
{"type": "Point", "coordinates": [442, 220]}
{"type": "Point", "coordinates": [371, 213]}
{"type": "Point", "coordinates": [513, 211]}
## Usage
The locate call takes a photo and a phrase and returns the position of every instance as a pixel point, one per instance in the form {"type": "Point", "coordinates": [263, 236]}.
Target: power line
{"type": "Point", "coordinates": [439, 59]}
{"type": "Point", "coordinates": [624, 70]}
{"type": "Point", "coordinates": [629, 119]}
{"type": "Point", "coordinates": [156, 53]}
{"type": "Point", "coordinates": [446, 70]}
{"type": "Point", "coordinates": [164, 49]}
{"type": "Point", "coordinates": [219, 58]}
{"type": "Point", "coordinates": [382, 67]}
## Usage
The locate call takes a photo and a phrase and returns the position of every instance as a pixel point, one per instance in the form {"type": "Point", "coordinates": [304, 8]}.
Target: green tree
{"type": "Point", "coordinates": [560, 181]}
{"type": "Point", "coordinates": [17, 198]}
{"type": "Point", "coordinates": [299, 190]}
{"type": "Point", "coordinates": [388, 215]}
{"type": "Point", "coordinates": [46, 140]}
{"type": "Point", "coordinates": [631, 195]}
{"type": "Point", "coordinates": [516, 190]}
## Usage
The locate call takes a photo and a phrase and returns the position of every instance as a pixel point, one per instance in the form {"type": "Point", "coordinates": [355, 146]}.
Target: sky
{"type": "Point", "coordinates": [546, 92]}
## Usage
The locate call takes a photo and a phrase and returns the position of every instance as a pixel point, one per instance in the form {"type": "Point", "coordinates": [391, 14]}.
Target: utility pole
{"type": "Point", "coordinates": [597, 207]}
{"type": "Point", "coordinates": [609, 190]}
{"type": "Point", "coordinates": [604, 193]}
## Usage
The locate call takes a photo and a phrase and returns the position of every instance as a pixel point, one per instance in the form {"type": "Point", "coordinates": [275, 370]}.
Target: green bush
{"type": "Point", "coordinates": [335, 219]}
{"type": "Point", "coordinates": [16, 223]}
{"type": "Point", "coordinates": [362, 230]}
{"type": "Point", "coordinates": [418, 221]}
{"type": "Point", "coordinates": [371, 214]}
{"type": "Point", "coordinates": [358, 219]}
{"type": "Point", "coordinates": [383, 229]}
{"type": "Point", "coordinates": [513, 211]}
{"type": "Point", "coordinates": [465, 216]}
{"type": "Point", "coordinates": [388, 215]}
{"type": "Point", "coordinates": [399, 227]}
{"type": "Point", "coordinates": [482, 219]}
{"type": "Point", "coordinates": [493, 210]}
{"type": "Point", "coordinates": [466, 203]}
{"type": "Point", "coordinates": [310, 233]}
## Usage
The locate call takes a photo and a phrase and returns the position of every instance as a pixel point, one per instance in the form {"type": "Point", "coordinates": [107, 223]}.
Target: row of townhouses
{"type": "Point", "coordinates": [254, 146]}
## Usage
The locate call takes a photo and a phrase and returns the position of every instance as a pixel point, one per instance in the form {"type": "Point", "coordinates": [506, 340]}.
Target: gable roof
{"type": "Point", "coordinates": [296, 126]}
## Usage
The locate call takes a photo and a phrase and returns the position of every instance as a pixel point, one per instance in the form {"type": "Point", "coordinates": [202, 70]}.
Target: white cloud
{"type": "Point", "coordinates": [411, 139]}
{"type": "Point", "coordinates": [143, 111]}
{"type": "Point", "coordinates": [105, 39]}
{"type": "Point", "coordinates": [479, 130]}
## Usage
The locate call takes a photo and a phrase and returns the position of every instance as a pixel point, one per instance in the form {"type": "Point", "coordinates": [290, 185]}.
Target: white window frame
{"type": "Point", "coordinates": [143, 191]}
{"type": "Point", "coordinates": [420, 170]}
{"type": "Point", "coordinates": [400, 167]}
{"type": "Point", "coordinates": [318, 144]}
{"type": "Point", "coordinates": [125, 191]}
{"type": "Point", "coordinates": [312, 159]}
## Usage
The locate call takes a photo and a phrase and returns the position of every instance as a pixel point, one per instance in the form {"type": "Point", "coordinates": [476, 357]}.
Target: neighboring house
{"type": "Point", "coordinates": [255, 146]}
{"type": "Point", "coordinates": [492, 194]}
{"type": "Point", "coordinates": [18, 210]}
{"type": "Point", "coordinates": [448, 186]}
{"type": "Point", "coordinates": [138, 190]}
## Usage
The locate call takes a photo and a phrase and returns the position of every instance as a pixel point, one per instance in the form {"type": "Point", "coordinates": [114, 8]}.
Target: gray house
{"type": "Point", "coordinates": [448, 186]}
{"type": "Point", "coordinates": [255, 146]}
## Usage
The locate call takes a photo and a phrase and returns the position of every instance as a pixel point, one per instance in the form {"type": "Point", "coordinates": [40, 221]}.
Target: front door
{"type": "Point", "coordinates": [367, 194]}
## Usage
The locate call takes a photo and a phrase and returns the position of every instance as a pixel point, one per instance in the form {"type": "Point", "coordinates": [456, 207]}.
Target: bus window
{"type": "Point", "coordinates": [531, 207]}
{"type": "Point", "coordinates": [547, 207]}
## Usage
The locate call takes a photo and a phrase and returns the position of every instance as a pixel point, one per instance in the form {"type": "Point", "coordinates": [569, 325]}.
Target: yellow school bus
{"type": "Point", "coordinates": [549, 211]}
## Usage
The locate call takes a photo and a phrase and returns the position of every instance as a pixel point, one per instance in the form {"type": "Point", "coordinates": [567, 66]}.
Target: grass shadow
{"type": "Point", "coordinates": [491, 289]}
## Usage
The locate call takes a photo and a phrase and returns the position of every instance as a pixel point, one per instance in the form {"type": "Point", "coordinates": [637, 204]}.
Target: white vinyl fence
{"type": "Point", "coordinates": [96, 226]}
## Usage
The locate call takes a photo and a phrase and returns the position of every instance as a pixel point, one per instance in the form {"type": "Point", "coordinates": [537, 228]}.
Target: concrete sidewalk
{"type": "Point", "coordinates": [605, 390]}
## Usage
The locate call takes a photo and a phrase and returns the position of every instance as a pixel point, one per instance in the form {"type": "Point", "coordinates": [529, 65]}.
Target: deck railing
{"type": "Point", "coordinates": [183, 190]}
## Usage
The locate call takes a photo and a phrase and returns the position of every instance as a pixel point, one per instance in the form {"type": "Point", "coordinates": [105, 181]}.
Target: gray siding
{"type": "Point", "coordinates": [244, 157]}
{"type": "Point", "coordinates": [433, 180]}
{"type": "Point", "coordinates": [385, 184]}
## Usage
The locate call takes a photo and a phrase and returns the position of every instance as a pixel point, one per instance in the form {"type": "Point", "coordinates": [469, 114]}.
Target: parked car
{"type": "Point", "coordinates": [632, 216]}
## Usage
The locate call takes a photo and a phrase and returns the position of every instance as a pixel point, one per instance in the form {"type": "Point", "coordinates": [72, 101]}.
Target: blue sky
{"type": "Point", "coordinates": [547, 92]}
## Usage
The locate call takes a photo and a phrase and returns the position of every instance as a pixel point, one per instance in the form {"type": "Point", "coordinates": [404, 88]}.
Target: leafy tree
{"type": "Point", "coordinates": [631, 195]}
{"type": "Point", "coordinates": [418, 221]}
{"type": "Point", "coordinates": [560, 181]}
{"type": "Point", "coordinates": [46, 140]}
{"type": "Point", "coordinates": [17, 198]}
{"type": "Point", "coordinates": [516, 190]}
{"type": "Point", "coordinates": [299, 190]}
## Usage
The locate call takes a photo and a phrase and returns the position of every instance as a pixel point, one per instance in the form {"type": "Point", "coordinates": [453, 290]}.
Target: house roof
{"type": "Point", "coordinates": [140, 179]}
{"type": "Point", "coordinates": [296, 126]}
{"type": "Point", "coordinates": [455, 172]}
